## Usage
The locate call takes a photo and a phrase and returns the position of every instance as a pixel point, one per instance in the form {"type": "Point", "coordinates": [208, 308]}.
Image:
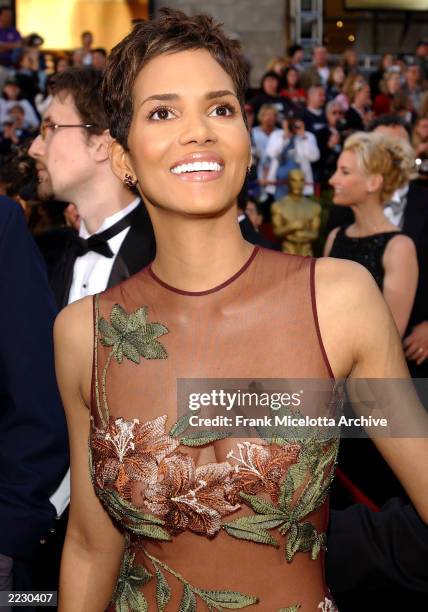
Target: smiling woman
{"type": "Point", "coordinates": [171, 520]}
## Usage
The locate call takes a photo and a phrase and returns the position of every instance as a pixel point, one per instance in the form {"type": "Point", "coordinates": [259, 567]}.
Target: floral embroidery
{"type": "Point", "coordinates": [131, 335]}
{"type": "Point", "coordinates": [327, 606]}
{"type": "Point", "coordinates": [189, 497]}
{"type": "Point", "coordinates": [260, 468]}
{"type": "Point", "coordinates": [138, 466]}
{"type": "Point", "coordinates": [303, 490]}
{"type": "Point", "coordinates": [132, 577]}
{"type": "Point", "coordinates": [129, 451]}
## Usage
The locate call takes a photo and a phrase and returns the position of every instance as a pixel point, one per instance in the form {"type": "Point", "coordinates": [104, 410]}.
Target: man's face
{"type": "Point", "coordinates": [334, 114]}
{"type": "Point", "coordinates": [393, 131]}
{"type": "Point", "coordinates": [317, 98]}
{"type": "Point", "coordinates": [413, 74]}
{"type": "Point", "coordinates": [17, 116]}
{"type": "Point", "coordinates": [6, 18]}
{"type": "Point", "coordinates": [422, 129]}
{"type": "Point", "coordinates": [98, 61]}
{"type": "Point", "coordinates": [270, 85]}
{"type": "Point", "coordinates": [320, 56]}
{"type": "Point", "coordinates": [64, 162]}
{"type": "Point", "coordinates": [87, 40]}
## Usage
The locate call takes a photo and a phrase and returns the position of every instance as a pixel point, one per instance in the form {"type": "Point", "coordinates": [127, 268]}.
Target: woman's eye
{"type": "Point", "coordinates": [161, 114]}
{"type": "Point", "coordinates": [223, 110]}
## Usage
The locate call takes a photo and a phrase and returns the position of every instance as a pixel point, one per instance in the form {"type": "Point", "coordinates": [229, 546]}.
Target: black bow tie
{"type": "Point", "coordinates": [99, 242]}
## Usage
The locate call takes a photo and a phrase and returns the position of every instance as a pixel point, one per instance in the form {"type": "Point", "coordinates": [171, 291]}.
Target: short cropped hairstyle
{"type": "Point", "coordinates": [392, 158]}
{"type": "Point", "coordinates": [84, 85]}
{"type": "Point", "coordinates": [173, 31]}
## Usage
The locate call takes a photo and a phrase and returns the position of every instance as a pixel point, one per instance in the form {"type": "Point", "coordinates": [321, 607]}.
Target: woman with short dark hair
{"type": "Point", "coordinates": [173, 514]}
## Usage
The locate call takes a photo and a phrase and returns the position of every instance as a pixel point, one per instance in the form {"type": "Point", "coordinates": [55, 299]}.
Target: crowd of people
{"type": "Point", "coordinates": [324, 131]}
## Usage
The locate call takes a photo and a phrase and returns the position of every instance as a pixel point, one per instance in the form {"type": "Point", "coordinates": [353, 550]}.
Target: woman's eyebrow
{"type": "Point", "coordinates": [167, 97]}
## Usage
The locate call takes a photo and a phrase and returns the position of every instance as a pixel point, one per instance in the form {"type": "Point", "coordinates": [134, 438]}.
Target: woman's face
{"type": "Point", "coordinates": [188, 144]}
{"type": "Point", "coordinates": [350, 182]}
{"type": "Point", "coordinates": [387, 61]}
{"type": "Point", "coordinates": [292, 78]}
{"type": "Point", "coordinates": [338, 76]}
{"type": "Point", "coordinates": [393, 83]}
{"type": "Point", "coordinates": [362, 98]}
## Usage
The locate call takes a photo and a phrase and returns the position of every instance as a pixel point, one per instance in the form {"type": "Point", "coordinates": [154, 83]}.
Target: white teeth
{"type": "Point", "coordinates": [200, 166]}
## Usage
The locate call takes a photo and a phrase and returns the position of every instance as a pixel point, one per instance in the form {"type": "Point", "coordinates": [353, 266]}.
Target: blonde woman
{"type": "Point", "coordinates": [369, 170]}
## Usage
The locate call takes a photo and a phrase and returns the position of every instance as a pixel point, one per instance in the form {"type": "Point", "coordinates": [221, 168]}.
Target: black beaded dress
{"type": "Point", "coordinates": [367, 251]}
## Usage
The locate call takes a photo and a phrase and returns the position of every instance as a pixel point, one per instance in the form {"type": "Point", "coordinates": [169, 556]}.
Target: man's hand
{"type": "Point", "coordinates": [416, 343]}
{"type": "Point", "coordinates": [299, 128]}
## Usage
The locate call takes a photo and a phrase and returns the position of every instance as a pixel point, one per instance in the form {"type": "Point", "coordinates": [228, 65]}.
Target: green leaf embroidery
{"type": "Point", "coordinates": [132, 577]}
{"type": "Point", "coordinates": [231, 600]}
{"type": "Point", "coordinates": [180, 426]}
{"type": "Point", "coordinates": [304, 538]}
{"type": "Point", "coordinates": [188, 601]}
{"type": "Point", "coordinates": [131, 335]}
{"type": "Point", "coordinates": [260, 505]}
{"type": "Point", "coordinates": [131, 600]}
{"type": "Point", "coordinates": [253, 528]}
{"type": "Point", "coordinates": [144, 525]}
{"type": "Point", "coordinates": [202, 438]}
{"type": "Point", "coordinates": [163, 591]}
{"type": "Point", "coordinates": [215, 600]}
{"type": "Point", "coordinates": [291, 608]}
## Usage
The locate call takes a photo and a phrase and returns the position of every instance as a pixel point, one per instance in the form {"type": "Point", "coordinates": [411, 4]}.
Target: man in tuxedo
{"type": "Point", "coordinates": [33, 433]}
{"type": "Point", "coordinates": [116, 237]}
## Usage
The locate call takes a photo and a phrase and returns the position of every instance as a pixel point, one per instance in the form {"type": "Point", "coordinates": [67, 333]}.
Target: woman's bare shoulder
{"type": "Point", "coordinates": [75, 322]}
{"type": "Point", "coordinates": [351, 311]}
{"type": "Point", "coordinates": [74, 344]}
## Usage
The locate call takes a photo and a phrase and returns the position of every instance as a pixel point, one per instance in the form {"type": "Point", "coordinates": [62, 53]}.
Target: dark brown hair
{"type": "Point", "coordinates": [171, 32]}
{"type": "Point", "coordinates": [84, 85]}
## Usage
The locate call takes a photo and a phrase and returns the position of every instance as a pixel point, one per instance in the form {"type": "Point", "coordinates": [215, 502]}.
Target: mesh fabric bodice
{"type": "Point", "coordinates": [211, 524]}
{"type": "Point", "coordinates": [368, 251]}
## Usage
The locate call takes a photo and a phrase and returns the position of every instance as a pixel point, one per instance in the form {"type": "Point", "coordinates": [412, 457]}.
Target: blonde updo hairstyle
{"type": "Point", "coordinates": [392, 158]}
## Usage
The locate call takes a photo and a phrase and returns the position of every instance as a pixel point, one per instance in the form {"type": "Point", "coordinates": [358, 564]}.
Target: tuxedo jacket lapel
{"type": "Point", "coordinates": [62, 276]}
{"type": "Point", "coordinates": [137, 250]}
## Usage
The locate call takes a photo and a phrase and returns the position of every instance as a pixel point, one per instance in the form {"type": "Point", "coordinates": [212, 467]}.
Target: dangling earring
{"type": "Point", "coordinates": [129, 181]}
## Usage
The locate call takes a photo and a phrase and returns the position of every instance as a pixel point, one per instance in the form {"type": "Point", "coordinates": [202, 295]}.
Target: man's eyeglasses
{"type": "Point", "coordinates": [45, 127]}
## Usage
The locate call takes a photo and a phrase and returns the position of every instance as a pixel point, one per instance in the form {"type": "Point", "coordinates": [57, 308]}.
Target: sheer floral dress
{"type": "Point", "coordinates": [211, 523]}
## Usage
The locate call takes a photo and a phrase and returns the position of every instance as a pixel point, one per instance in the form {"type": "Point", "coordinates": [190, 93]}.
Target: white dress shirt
{"type": "Point", "coordinates": [92, 270]}
{"type": "Point", "coordinates": [394, 210]}
{"type": "Point", "coordinates": [90, 276]}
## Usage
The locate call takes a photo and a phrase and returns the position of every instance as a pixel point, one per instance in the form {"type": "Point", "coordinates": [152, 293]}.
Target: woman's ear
{"type": "Point", "coordinates": [120, 162]}
{"type": "Point", "coordinates": [374, 183]}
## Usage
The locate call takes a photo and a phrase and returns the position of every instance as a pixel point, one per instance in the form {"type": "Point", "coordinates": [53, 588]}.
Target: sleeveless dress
{"type": "Point", "coordinates": [211, 522]}
{"type": "Point", "coordinates": [368, 251]}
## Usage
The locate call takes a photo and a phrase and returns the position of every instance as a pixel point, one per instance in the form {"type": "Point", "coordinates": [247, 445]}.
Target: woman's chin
{"type": "Point", "coordinates": [338, 201]}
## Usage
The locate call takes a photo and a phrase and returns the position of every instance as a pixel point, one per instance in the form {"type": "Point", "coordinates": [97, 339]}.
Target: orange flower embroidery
{"type": "Point", "coordinates": [129, 451]}
{"type": "Point", "coordinates": [260, 468]}
{"type": "Point", "coordinates": [190, 497]}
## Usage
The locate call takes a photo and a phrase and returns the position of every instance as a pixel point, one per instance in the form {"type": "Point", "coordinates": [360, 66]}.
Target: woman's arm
{"type": "Point", "coordinates": [93, 547]}
{"type": "Point", "coordinates": [361, 341]}
{"type": "Point", "coordinates": [401, 279]}
{"type": "Point", "coordinates": [330, 241]}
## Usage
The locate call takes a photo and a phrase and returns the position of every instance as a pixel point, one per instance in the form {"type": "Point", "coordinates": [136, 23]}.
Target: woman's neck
{"type": "Point", "coordinates": [198, 254]}
{"type": "Point", "coordinates": [370, 218]}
